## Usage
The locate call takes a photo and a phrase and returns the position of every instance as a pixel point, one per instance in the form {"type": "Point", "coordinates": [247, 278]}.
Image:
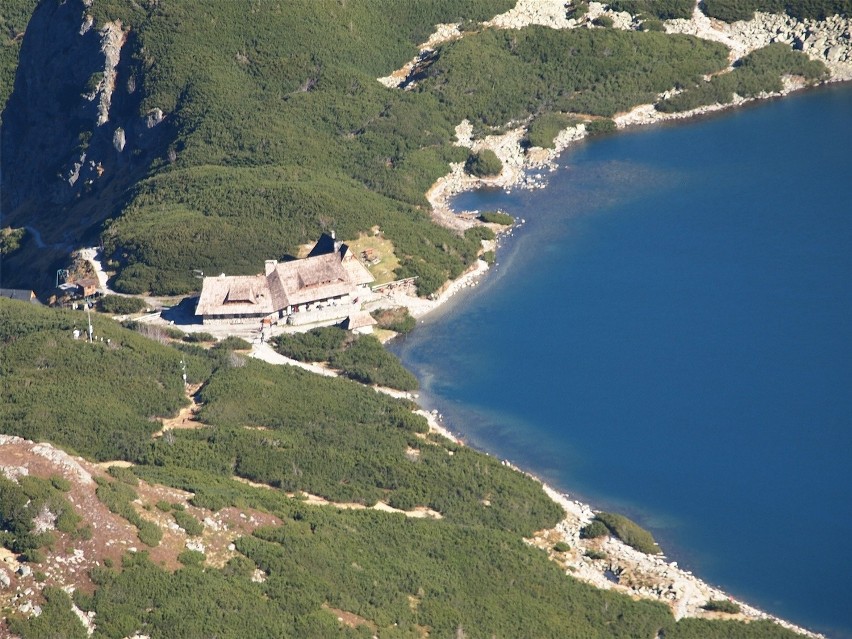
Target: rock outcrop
{"type": "Point", "coordinates": [73, 139]}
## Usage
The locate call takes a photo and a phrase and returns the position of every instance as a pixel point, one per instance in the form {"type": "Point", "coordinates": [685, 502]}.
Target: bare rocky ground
{"type": "Point", "coordinates": [69, 561]}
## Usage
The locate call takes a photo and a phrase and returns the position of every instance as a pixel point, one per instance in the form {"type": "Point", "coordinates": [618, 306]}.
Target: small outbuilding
{"type": "Point", "coordinates": [20, 294]}
{"type": "Point", "coordinates": [360, 322]}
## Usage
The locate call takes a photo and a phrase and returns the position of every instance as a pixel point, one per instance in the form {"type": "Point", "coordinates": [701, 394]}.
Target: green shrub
{"type": "Point", "coordinates": [496, 217]}
{"type": "Point", "coordinates": [60, 483]}
{"type": "Point", "coordinates": [660, 9]}
{"type": "Point", "coordinates": [603, 21]}
{"type": "Point", "coordinates": [121, 305]}
{"type": "Point", "coordinates": [483, 164]}
{"type": "Point", "coordinates": [479, 233]}
{"type": "Point", "coordinates": [577, 9]}
{"type": "Point", "coordinates": [200, 336]}
{"type": "Point", "coordinates": [189, 523]}
{"type": "Point", "coordinates": [722, 605]}
{"type": "Point", "coordinates": [191, 557]}
{"type": "Point", "coordinates": [125, 385]}
{"type": "Point", "coordinates": [629, 532]}
{"type": "Point", "coordinates": [67, 520]}
{"type": "Point", "coordinates": [233, 343]}
{"type": "Point", "coordinates": [600, 127]}
{"type": "Point", "coordinates": [759, 71]}
{"type": "Point", "coordinates": [543, 130]}
{"type": "Point", "coordinates": [124, 475]}
{"type": "Point", "coordinates": [315, 345]}
{"type": "Point", "coordinates": [10, 239]}
{"type": "Point", "coordinates": [561, 546]}
{"type": "Point", "coordinates": [33, 556]}
{"type": "Point", "coordinates": [595, 554]}
{"type": "Point", "coordinates": [398, 320]}
{"type": "Point", "coordinates": [367, 361]}
{"type": "Point", "coordinates": [594, 530]}
{"type": "Point", "coordinates": [652, 24]}
{"type": "Point", "coordinates": [149, 533]}
{"type": "Point", "coordinates": [361, 357]}
{"type": "Point", "coordinates": [489, 257]}
{"type": "Point", "coordinates": [173, 333]}
{"type": "Point", "coordinates": [56, 619]}
{"type": "Point", "coordinates": [163, 506]}
{"type": "Point", "coordinates": [84, 533]}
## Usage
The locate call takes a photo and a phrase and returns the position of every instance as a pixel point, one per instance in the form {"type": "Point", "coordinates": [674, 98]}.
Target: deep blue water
{"type": "Point", "coordinates": [670, 335]}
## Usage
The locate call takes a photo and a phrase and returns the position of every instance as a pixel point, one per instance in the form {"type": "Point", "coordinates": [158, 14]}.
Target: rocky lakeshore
{"type": "Point", "coordinates": [828, 41]}
{"type": "Point", "coordinates": [623, 568]}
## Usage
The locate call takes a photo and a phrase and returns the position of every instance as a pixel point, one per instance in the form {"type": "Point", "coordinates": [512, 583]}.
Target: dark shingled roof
{"type": "Point", "coordinates": [325, 245]}
{"type": "Point", "coordinates": [19, 294]}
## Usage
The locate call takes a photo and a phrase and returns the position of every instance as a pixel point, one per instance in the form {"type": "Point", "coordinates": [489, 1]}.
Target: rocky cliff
{"type": "Point", "coordinates": [73, 140]}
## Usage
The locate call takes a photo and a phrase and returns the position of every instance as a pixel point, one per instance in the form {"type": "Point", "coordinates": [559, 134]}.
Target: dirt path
{"type": "Point", "coordinates": [186, 417]}
{"type": "Point", "coordinates": [419, 512]}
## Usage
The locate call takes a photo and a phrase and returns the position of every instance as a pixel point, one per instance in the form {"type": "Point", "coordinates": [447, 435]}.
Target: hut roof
{"type": "Point", "coordinates": [358, 320]}
{"type": "Point", "coordinates": [317, 277]}
{"type": "Point", "coordinates": [23, 295]}
{"type": "Point", "coordinates": [325, 244]}
{"type": "Point", "coordinates": [234, 295]}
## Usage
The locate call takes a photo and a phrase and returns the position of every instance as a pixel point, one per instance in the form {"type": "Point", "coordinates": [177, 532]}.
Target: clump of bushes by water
{"type": "Point", "coordinates": [601, 126]}
{"type": "Point", "coordinates": [359, 357]}
{"type": "Point", "coordinates": [496, 217]}
{"type": "Point", "coordinates": [544, 128]}
{"type": "Point", "coordinates": [629, 532]}
{"type": "Point", "coordinates": [594, 530]}
{"type": "Point", "coordinates": [483, 164]}
{"type": "Point", "coordinates": [722, 605]}
{"type": "Point", "coordinates": [758, 72]}
{"type": "Point", "coordinates": [398, 320]}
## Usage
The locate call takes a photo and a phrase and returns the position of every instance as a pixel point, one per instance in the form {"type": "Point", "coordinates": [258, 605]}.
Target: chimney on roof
{"type": "Point", "coordinates": [270, 266]}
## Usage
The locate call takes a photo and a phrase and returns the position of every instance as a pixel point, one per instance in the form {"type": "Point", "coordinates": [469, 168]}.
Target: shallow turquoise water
{"type": "Point", "coordinates": [670, 335]}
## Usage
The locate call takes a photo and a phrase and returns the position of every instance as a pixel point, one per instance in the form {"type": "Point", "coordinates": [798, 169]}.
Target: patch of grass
{"type": "Point", "coordinates": [376, 247]}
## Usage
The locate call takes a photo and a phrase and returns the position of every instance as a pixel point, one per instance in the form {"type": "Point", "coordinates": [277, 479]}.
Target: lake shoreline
{"type": "Point", "coordinates": [643, 575]}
